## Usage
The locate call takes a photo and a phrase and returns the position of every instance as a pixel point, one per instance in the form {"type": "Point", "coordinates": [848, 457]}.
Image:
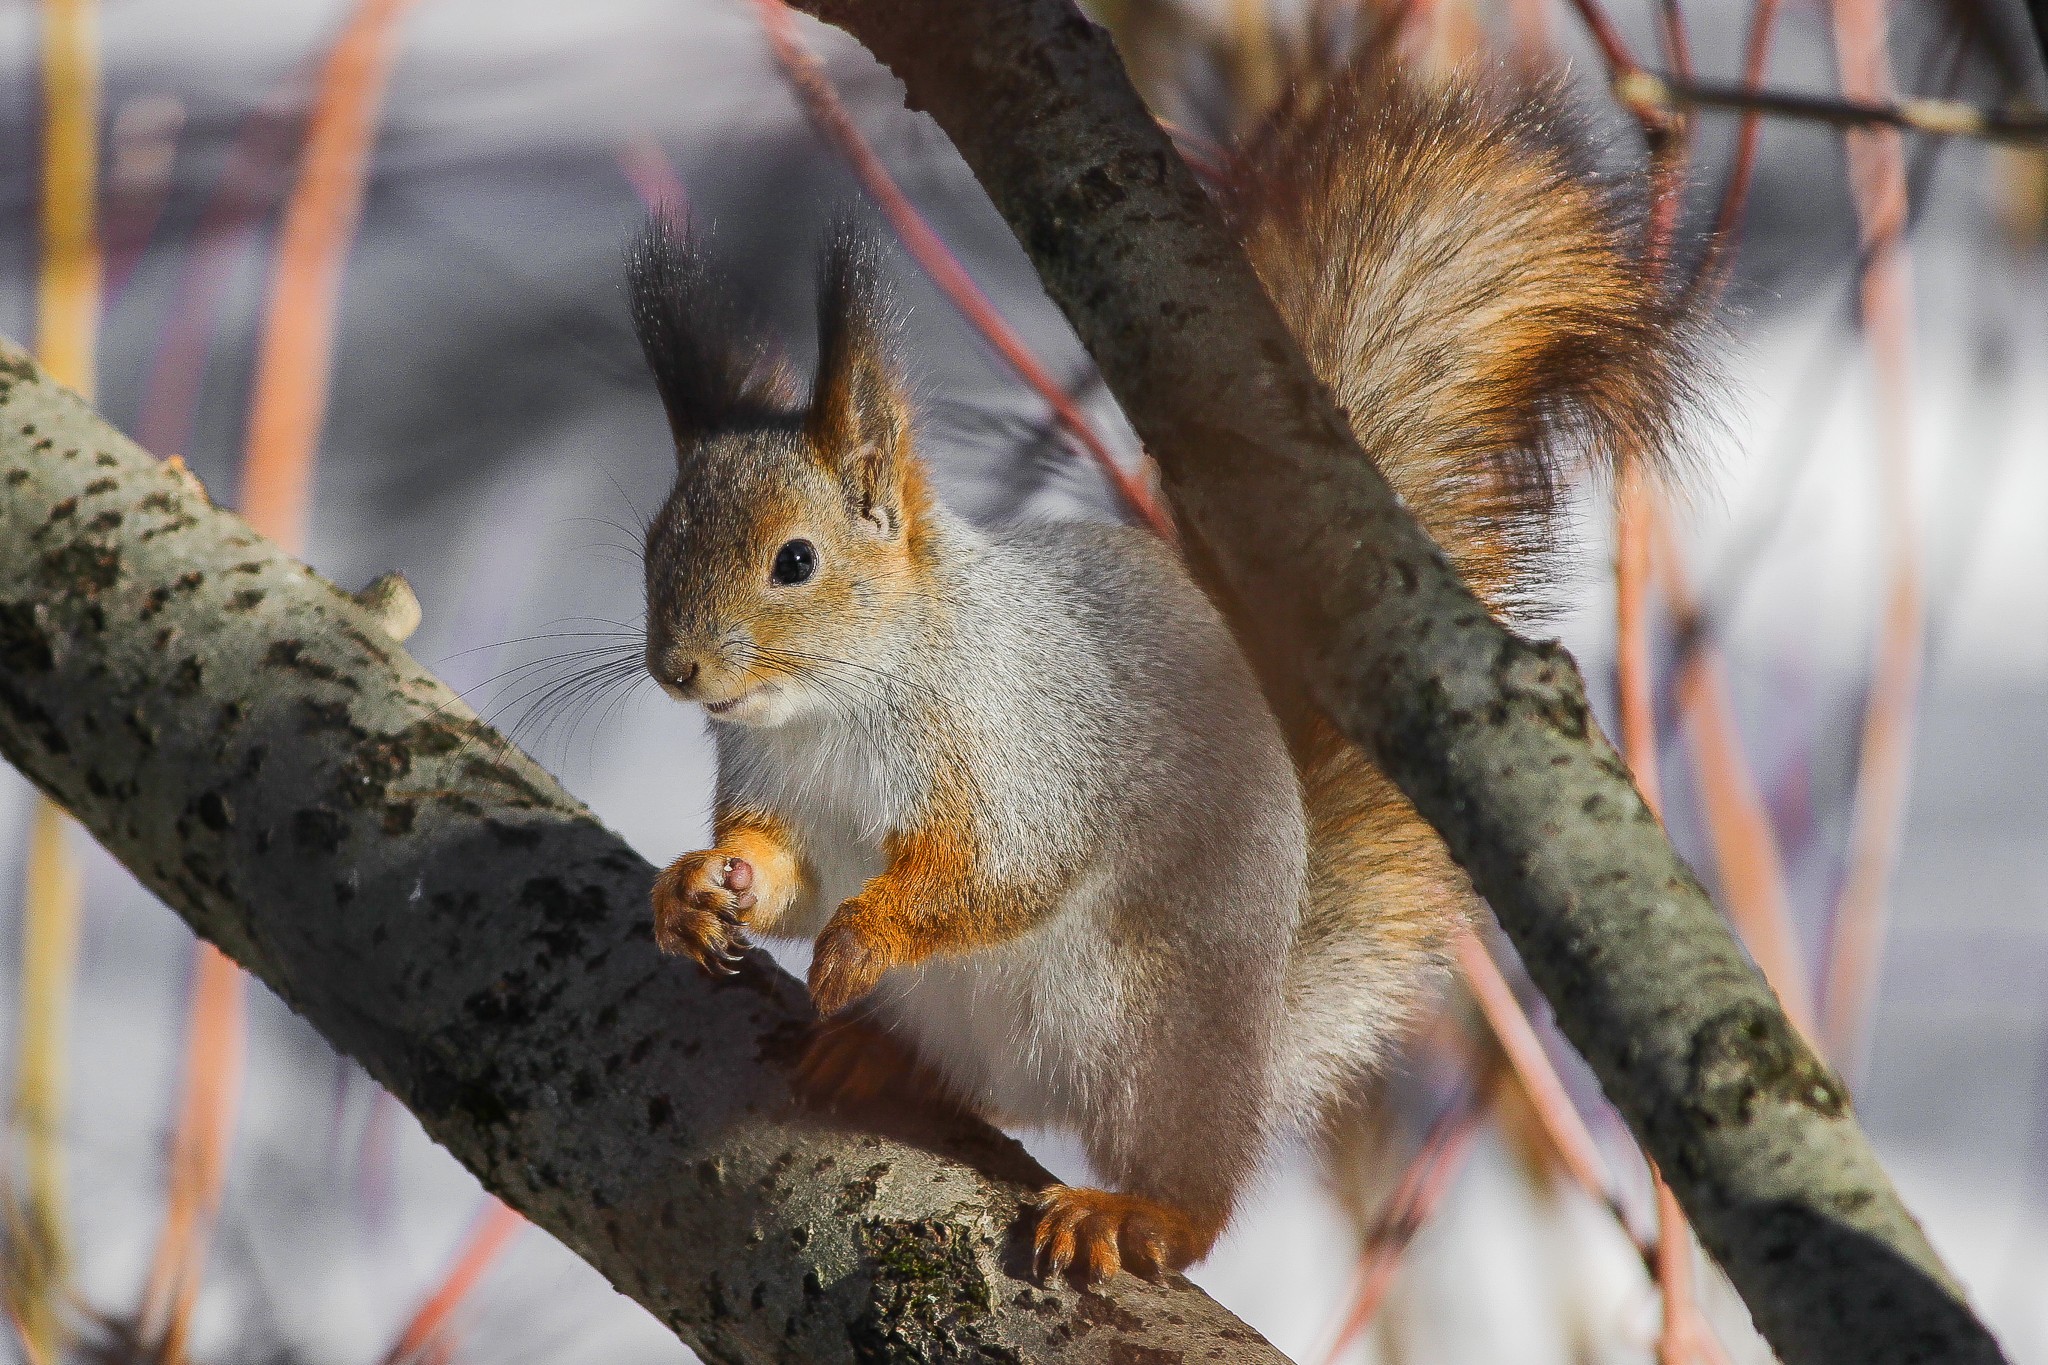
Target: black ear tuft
{"type": "Point", "coordinates": [859, 418]}
{"type": "Point", "coordinates": [710, 374]}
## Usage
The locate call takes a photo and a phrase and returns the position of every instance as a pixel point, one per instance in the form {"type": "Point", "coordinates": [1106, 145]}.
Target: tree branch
{"type": "Point", "coordinates": [1490, 735]}
{"type": "Point", "coordinates": [244, 737]}
{"type": "Point", "coordinates": [1941, 117]}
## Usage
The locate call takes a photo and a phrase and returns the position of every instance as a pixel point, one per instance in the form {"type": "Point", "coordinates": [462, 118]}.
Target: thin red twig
{"type": "Point", "coordinates": [215, 1035]}
{"type": "Point", "coordinates": [1614, 48]}
{"type": "Point", "coordinates": [652, 175]}
{"type": "Point", "coordinates": [1720, 253]}
{"type": "Point", "coordinates": [1639, 746]}
{"type": "Point", "coordinates": [430, 1330]}
{"type": "Point", "coordinates": [178, 366]}
{"type": "Point", "coordinates": [1677, 45]}
{"type": "Point", "coordinates": [1877, 164]}
{"type": "Point", "coordinates": [1621, 63]}
{"type": "Point", "coordinates": [1423, 1185]}
{"type": "Point", "coordinates": [1745, 845]}
{"type": "Point", "coordinates": [1633, 668]}
{"type": "Point", "coordinates": [1677, 1341]}
{"type": "Point", "coordinates": [1752, 871]}
{"type": "Point", "coordinates": [294, 364]}
{"type": "Point", "coordinates": [807, 76]}
{"type": "Point", "coordinates": [1636, 510]}
{"type": "Point", "coordinates": [142, 151]}
{"type": "Point", "coordinates": [1552, 1103]}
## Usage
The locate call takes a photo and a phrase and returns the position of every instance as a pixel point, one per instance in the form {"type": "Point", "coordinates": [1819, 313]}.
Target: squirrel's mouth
{"type": "Point", "coordinates": [730, 704]}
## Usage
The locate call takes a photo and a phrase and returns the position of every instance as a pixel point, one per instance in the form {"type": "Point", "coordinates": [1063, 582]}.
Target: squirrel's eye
{"type": "Point", "coordinates": [795, 562]}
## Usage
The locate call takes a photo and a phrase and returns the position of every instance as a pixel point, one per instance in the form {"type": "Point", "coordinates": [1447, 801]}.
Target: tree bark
{"type": "Point", "coordinates": [1490, 735]}
{"type": "Point", "coordinates": [243, 736]}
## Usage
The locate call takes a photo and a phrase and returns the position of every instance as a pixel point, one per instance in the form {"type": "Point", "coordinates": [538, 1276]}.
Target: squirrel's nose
{"type": "Point", "coordinates": [685, 674]}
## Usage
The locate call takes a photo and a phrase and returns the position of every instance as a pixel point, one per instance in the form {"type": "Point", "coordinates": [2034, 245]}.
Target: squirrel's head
{"type": "Point", "coordinates": [794, 537]}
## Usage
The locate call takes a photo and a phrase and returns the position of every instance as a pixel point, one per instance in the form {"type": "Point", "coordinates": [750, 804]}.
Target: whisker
{"type": "Point", "coordinates": [532, 639]}
{"type": "Point", "coordinates": [883, 678]}
{"type": "Point", "coordinates": [548, 690]}
{"type": "Point", "coordinates": [619, 488]}
{"type": "Point", "coordinates": [813, 671]}
{"type": "Point", "coordinates": [572, 659]}
{"type": "Point", "coordinates": [570, 700]}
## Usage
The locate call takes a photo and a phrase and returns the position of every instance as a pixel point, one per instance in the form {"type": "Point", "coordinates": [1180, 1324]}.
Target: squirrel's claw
{"type": "Point", "coordinates": [701, 903]}
{"type": "Point", "coordinates": [1070, 1239]}
{"type": "Point", "coordinates": [1089, 1235]}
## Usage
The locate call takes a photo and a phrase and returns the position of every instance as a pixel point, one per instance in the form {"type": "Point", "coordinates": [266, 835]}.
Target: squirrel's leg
{"type": "Point", "coordinates": [933, 898]}
{"type": "Point", "coordinates": [1182, 1139]}
{"type": "Point", "coordinates": [1092, 1234]}
{"type": "Point", "coordinates": [705, 901]}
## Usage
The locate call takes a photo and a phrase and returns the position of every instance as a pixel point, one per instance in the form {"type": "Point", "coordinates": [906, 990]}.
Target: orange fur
{"type": "Point", "coordinates": [765, 842]}
{"type": "Point", "coordinates": [1474, 304]}
{"type": "Point", "coordinates": [935, 897]}
{"type": "Point", "coordinates": [850, 1063]}
{"type": "Point", "coordinates": [1470, 297]}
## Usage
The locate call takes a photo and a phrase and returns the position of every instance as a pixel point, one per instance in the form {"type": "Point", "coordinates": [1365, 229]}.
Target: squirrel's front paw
{"type": "Point", "coordinates": [846, 962]}
{"type": "Point", "coordinates": [701, 904]}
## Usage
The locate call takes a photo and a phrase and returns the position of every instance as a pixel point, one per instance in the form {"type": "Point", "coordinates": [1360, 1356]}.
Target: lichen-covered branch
{"type": "Point", "coordinates": [1489, 734]}
{"type": "Point", "coordinates": [249, 741]}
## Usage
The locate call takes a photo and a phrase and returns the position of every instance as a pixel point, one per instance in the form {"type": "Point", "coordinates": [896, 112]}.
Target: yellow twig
{"type": "Point", "coordinates": [38, 1261]}
{"type": "Point", "coordinates": [68, 287]}
{"type": "Point", "coordinates": [68, 290]}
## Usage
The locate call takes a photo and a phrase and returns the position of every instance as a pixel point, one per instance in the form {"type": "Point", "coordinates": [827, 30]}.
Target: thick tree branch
{"type": "Point", "coordinates": [1489, 734]}
{"type": "Point", "coordinates": [245, 738]}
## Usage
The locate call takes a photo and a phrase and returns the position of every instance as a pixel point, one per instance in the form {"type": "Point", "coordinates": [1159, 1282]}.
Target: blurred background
{"type": "Point", "coordinates": [357, 262]}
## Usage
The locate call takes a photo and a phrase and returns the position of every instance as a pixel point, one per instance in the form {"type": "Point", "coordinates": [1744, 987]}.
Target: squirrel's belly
{"type": "Point", "coordinates": [1026, 1030]}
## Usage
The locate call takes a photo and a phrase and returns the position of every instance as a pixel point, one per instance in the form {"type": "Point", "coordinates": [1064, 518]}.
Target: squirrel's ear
{"type": "Point", "coordinates": [712, 377]}
{"type": "Point", "coordinates": [859, 421]}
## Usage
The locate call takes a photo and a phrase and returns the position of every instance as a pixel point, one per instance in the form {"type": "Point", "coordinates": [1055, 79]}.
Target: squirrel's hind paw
{"type": "Point", "coordinates": [1089, 1235]}
{"type": "Point", "coordinates": [701, 903]}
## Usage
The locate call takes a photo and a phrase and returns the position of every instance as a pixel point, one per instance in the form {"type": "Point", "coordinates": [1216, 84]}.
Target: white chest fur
{"type": "Point", "coordinates": [1021, 1027]}
{"type": "Point", "coordinates": [840, 804]}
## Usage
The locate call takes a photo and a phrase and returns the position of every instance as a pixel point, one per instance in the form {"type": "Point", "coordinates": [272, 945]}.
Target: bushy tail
{"type": "Point", "coordinates": [1476, 303]}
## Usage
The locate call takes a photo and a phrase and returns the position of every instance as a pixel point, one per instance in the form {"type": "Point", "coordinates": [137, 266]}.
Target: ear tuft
{"type": "Point", "coordinates": [711, 375]}
{"type": "Point", "coordinates": [859, 419]}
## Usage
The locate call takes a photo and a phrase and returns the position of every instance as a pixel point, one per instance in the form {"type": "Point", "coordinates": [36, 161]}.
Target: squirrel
{"type": "Point", "coordinates": [1068, 852]}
